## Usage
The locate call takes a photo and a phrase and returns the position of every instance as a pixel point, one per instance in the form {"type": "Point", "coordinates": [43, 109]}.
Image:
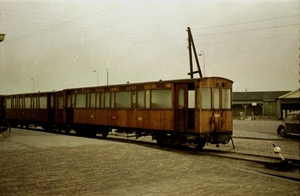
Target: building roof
{"type": "Point", "coordinates": [257, 96]}
{"type": "Point", "coordinates": [291, 95]}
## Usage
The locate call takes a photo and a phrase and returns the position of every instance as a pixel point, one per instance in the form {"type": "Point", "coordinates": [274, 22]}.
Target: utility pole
{"type": "Point", "coordinates": [192, 47]}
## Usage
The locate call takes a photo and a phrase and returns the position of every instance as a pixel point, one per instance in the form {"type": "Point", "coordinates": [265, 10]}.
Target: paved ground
{"type": "Point", "coordinates": [38, 163]}
{"type": "Point", "coordinates": [265, 131]}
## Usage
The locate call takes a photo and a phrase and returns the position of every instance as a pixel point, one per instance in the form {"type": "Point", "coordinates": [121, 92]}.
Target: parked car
{"type": "Point", "coordinates": [290, 125]}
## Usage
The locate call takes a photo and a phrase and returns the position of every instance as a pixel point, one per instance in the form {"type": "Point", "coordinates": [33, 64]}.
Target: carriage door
{"type": "Point", "coordinates": [181, 107]}
{"type": "Point", "coordinates": [69, 107]}
{"type": "Point", "coordinates": [59, 104]}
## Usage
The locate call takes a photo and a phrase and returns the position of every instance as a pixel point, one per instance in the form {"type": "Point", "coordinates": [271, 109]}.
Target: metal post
{"type": "Point", "coordinates": [107, 76]}
{"type": "Point", "coordinates": [96, 70]}
{"type": "Point", "coordinates": [202, 54]}
{"type": "Point", "coordinates": [32, 84]}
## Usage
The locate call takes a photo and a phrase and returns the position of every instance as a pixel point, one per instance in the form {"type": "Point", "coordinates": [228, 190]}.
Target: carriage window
{"type": "Point", "coordinates": [147, 98]}
{"type": "Point", "coordinates": [123, 99]}
{"type": "Point", "coordinates": [88, 100]}
{"type": "Point", "coordinates": [93, 100]}
{"type": "Point", "coordinates": [107, 100]}
{"type": "Point", "coordinates": [112, 99]}
{"type": "Point", "coordinates": [216, 98]}
{"type": "Point", "coordinates": [14, 103]}
{"type": "Point", "coordinates": [133, 100]}
{"type": "Point", "coordinates": [226, 101]}
{"type": "Point", "coordinates": [206, 98]}
{"type": "Point", "coordinates": [21, 102]}
{"type": "Point", "coordinates": [43, 102]}
{"type": "Point", "coordinates": [162, 98]}
{"type": "Point", "coordinates": [141, 99]}
{"type": "Point", "coordinates": [102, 100]}
{"type": "Point", "coordinates": [80, 100]}
{"type": "Point", "coordinates": [70, 101]}
{"type": "Point", "coordinates": [181, 98]}
{"type": "Point", "coordinates": [60, 102]}
{"type": "Point", "coordinates": [33, 102]}
{"type": "Point", "coordinates": [98, 100]}
{"type": "Point", "coordinates": [191, 99]}
{"type": "Point", "coordinates": [8, 103]}
{"type": "Point", "coordinates": [27, 102]}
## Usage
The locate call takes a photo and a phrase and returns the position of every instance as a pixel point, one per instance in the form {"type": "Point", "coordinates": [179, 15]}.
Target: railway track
{"type": "Point", "coordinates": [252, 163]}
{"type": "Point", "coordinates": [266, 165]}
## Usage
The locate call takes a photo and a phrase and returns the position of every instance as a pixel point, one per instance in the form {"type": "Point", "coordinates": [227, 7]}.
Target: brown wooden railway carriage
{"type": "Point", "coordinates": [35, 109]}
{"type": "Point", "coordinates": [173, 112]}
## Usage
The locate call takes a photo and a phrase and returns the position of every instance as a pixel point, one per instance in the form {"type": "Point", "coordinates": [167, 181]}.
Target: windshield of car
{"type": "Point", "coordinates": [289, 117]}
{"type": "Point", "coordinates": [295, 117]}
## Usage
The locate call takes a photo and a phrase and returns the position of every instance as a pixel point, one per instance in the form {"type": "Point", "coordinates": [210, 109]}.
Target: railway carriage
{"type": "Point", "coordinates": [173, 112]}
{"type": "Point", "coordinates": [36, 109]}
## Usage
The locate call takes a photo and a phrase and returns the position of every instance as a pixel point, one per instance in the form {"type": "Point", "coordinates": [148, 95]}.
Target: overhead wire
{"type": "Point", "coordinates": [246, 22]}
{"type": "Point", "coordinates": [245, 30]}
{"type": "Point", "coordinates": [127, 34]}
{"type": "Point", "coordinates": [69, 21]}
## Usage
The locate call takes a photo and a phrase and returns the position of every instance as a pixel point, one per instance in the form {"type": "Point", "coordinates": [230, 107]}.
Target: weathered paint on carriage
{"type": "Point", "coordinates": [170, 116]}
{"type": "Point", "coordinates": [216, 119]}
{"type": "Point", "coordinates": [19, 115]}
{"type": "Point", "coordinates": [33, 115]}
{"type": "Point", "coordinates": [142, 119]}
{"type": "Point", "coordinates": [178, 118]}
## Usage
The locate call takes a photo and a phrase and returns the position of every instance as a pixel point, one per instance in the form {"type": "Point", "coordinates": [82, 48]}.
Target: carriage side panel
{"type": "Point", "coordinates": [141, 119]}
{"type": "Point", "coordinates": [215, 114]}
{"type": "Point", "coordinates": [34, 108]}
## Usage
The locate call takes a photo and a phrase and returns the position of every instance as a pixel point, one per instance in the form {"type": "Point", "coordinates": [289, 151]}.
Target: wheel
{"type": "Point", "coordinates": [175, 142]}
{"type": "Point", "coordinates": [200, 144]}
{"type": "Point", "coordinates": [79, 132]}
{"type": "Point", "coordinates": [90, 133]}
{"type": "Point", "coordinates": [282, 132]}
{"type": "Point", "coordinates": [104, 134]}
{"type": "Point", "coordinates": [67, 131]}
{"type": "Point", "coordinates": [5, 129]}
{"type": "Point", "coordinates": [161, 143]}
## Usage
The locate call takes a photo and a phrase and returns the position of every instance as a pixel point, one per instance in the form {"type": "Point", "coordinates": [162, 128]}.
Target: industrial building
{"type": "Point", "coordinates": [265, 104]}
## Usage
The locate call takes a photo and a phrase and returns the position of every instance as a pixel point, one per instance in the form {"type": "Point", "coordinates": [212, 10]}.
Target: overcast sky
{"type": "Point", "coordinates": [59, 44]}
